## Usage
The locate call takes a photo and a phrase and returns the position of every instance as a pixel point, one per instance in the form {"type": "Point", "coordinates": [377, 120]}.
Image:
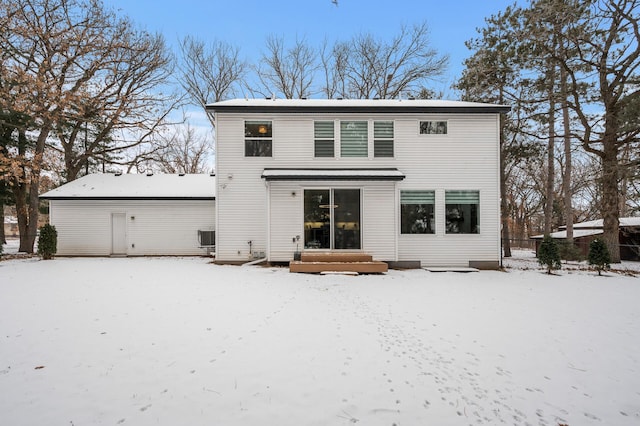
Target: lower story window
{"type": "Point", "coordinates": [257, 148]}
{"type": "Point", "coordinates": [417, 212]}
{"type": "Point", "coordinates": [462, 212]}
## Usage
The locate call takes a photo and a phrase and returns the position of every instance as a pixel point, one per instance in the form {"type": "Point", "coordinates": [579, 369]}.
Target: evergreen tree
{"type": "Point", "coordinates": [599, 255]}
{"type": "Point", "coordinates": [549, 254]}
{"type": "Point", "coordinates": [47, 241]}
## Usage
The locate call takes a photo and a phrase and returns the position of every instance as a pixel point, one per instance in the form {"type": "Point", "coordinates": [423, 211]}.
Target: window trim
{"type": "Point", "coordinates": [385, 139]}
{"type": "Point", "coordinates": [366, 133]}
{"type": "Point", "coordinates": [257, 138]}
{"type": "Point", "coordinates": [326, 139]}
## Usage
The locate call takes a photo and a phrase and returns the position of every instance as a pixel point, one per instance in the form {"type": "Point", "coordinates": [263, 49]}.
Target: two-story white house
{"type": "Point", "coordinates": [411, 182]}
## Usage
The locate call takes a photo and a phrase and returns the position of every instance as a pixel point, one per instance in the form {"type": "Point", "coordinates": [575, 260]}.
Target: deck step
{"type": "Point", "coordinates": [368, 267]}
{"type": "Point", "coordinates": [335, 257]}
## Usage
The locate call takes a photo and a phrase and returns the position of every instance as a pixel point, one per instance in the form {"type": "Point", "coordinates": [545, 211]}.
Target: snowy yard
{"type": "Point", "coordinates": [179, 341]}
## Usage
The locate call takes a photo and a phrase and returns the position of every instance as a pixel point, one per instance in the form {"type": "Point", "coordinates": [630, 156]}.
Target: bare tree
{"type": "Point", "coordinates": [334, 62]}
{"type": "Point", "coordinates": [68, 65]}
{"type": "Point", "coordinates": [377, 68]}
{"type": "Point", "coordinates": [210, 73]}
{"type": "Point", "coordinates": [286, 71]}
{"type": "Point", "coordinates": [183, 151]}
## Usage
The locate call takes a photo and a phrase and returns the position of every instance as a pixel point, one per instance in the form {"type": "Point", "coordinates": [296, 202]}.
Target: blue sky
{"type": "Point", "coordinates": [246, 23]}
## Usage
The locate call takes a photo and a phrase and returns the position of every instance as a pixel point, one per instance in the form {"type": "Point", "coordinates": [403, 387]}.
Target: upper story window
{"type": "Point", "coordinates": [258, 139]}
{"type": "Point", "coordinates": [462, 210]}
{"type": "Point", "coordinates": [323, 136]}
{"type": "Point", "coordinates": [354, 139]}
{"type": "Point", "coordinates": [383, 138]}
{"type": "Point", "coordinates": [433, 127]}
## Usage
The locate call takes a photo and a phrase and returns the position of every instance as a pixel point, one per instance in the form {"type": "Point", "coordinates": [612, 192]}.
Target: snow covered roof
{"type": "Point", "coordinates": [137, 186]}
{"type": "Point", "coordinates": [333, 174]}
{"type": "Point", "coordinates": [624, 221]}
{"type": "Point", "coordinates": [592, 227]}
{"type": "Point", "coordinates": [577, 233]}
{"type": "Point", "coordinates": [354, 105]}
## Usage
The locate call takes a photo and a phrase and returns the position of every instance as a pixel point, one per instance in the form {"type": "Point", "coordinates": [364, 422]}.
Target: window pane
{"type": "Point", "coordinates": [323, 148]}
{"type": "Point", "coordinates": [257, 129]}
{"type": "Point", "coordinates": [383, 148]}
{"type": "Point", "coordinates": [346, 219]}
{"type": "Point", "coordinates": [257, 148]}
{"type": "Point", "coordinates": [383, 129]}
{"type": "Point", "coordinates": [317, 219]}
{"type": "Point", "coordinates": [353, 139]}
{"type": "Point", "coordinates": [463, 197]}
{"type": "Point", "coordinates": [433, 127]}
{"type": "Point", "coordinates": [323, 130]}
{"type": "Point", "coordinates": [461, 212]}
{"type": "Point", "coordinates": [324, 142]}
{"type": "Point", "coordinates": [417, 212]}
{"type": "Point", "coordinates": [383, 138]}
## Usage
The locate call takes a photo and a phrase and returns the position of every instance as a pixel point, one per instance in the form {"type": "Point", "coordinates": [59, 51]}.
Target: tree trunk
{"type": "Point", "coordinates": [566, 178]}
{"type": "Point", "coordinates": [3, 237]}
{"type": "Point", "coordinates": [609, 207]}
{"type": "Point", "coordinates": [549, 194]}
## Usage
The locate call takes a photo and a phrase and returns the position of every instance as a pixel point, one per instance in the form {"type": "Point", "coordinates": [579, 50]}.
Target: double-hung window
{"type": "Point", "coordinates": [258, 139]}
{"type": "Point", "coordinates": [417, 212]}
{"type": "Point", "coordinates": [462, 212]}
{"type": "Point", "coordinates": [383, 138]}
{"type": "Point", "coordinates": [354, 139]}
{"type": "Point", "coordinates": [323, 138]}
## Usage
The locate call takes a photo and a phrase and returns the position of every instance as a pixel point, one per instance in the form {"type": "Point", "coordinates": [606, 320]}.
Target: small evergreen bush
{"type": "Point", "coordinates": [549, 254]}
{"type": "Point", "coordinates": [599, 256]}
{"type": "Point", "coordinates": [47, 241]}
{"type": "Point", "coordinates": [569, 251]}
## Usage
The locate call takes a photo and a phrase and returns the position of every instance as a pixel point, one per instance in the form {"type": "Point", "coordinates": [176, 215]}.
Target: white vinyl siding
{"type": "Point", "coordinates": [151, 227]}
{"type": "Point", "coordinates": [465, 157]}
{"type": "Point", "coordinates": [287, 218]}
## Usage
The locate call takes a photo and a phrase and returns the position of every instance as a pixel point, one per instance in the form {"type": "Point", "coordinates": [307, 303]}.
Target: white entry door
{"type": "Point", "coordinates": [118, 233]}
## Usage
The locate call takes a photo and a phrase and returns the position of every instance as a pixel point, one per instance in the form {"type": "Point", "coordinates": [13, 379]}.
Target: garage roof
{"type": "Point", "coordinates": [110, 186]}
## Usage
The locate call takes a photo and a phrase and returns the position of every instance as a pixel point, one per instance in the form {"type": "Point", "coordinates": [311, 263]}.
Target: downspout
{"type": "Point", "coordinates": [255, 262]}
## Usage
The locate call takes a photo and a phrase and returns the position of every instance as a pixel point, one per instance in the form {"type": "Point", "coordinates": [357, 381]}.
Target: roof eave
{"type": "Point", "coordinates": [288, 109]}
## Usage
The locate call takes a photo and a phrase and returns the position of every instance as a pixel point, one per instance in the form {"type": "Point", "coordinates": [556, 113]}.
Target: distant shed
{"type": "Point", "coordinates": [134, 214]}
{"type": "Point", "coordinates": [585, 232]}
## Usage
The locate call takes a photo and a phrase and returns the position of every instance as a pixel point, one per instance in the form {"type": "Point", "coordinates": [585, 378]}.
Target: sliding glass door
{"type": "Point", "coordinates": [332, 219]}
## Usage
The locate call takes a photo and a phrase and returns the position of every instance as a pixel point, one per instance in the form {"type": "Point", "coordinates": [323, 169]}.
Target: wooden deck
{"type": "Point", "coordinates": [316, 263]}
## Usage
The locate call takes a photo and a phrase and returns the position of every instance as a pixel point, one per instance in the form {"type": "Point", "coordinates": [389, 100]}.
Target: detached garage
{"type": "Point", "coordinates": [134, 215]}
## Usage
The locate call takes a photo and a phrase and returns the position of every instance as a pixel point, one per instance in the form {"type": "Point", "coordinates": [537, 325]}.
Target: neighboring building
{"type": "Point", "coordinates": [134, 214]}
{"type": "Point", "coordinates": [411, 182]}
{"type": "Point", "coordinates": [585, 232]}
{"type": "Point", "coordinates": [10, 227]}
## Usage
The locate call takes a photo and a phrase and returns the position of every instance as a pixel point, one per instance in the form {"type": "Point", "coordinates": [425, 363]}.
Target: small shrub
{"type": "Point", "coordinates": [47, 242]}
{"type": "Point", "coordinates": [599, 256]}
{"type": "Point", "coordinates": [549, 254]}
{"type": "Point", "coordinates": [569, 251]}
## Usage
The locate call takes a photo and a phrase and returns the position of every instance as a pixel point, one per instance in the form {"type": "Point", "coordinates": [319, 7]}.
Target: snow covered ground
{"type": "Point", "coordinates": [180, 341]}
